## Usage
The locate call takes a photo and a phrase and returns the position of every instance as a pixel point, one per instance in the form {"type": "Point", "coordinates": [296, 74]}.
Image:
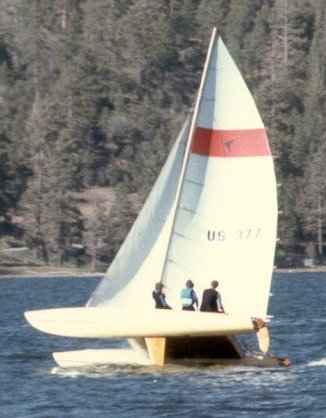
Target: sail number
{"type": "Point", "coordinates": [238, 235]}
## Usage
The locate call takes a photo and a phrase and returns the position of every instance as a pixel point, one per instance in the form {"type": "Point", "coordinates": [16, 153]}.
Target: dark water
{"type": "Point", "coordinates": [31, 385]}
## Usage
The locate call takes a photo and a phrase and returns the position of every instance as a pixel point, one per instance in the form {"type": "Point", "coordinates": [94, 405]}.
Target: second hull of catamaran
{"type": "Point", "coordinates": [170, 351]}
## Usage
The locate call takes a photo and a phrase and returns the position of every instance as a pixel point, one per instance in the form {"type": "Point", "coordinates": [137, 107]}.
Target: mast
{"type": "Point", "coordinates": [189, 144]}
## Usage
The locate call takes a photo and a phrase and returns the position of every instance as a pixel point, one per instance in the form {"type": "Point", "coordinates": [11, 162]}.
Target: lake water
{"type": "Point", "coordinates": [32, 386]}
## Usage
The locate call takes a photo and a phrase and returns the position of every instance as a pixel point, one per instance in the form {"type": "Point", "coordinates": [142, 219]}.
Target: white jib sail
{"type": "Point", "coordinates": [224, 227]}
{"type": "Point", "coordinates": [138, 265]}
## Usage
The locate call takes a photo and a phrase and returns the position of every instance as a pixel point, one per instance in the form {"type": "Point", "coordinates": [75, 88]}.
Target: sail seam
{"type": "Point", "coordinates": [187, 209]}
{"type": "Point", "coordinates": [196, 183]}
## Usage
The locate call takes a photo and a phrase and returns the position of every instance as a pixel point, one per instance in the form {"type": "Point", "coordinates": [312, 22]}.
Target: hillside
{"type": "Point", "coordinates": [93, 93]}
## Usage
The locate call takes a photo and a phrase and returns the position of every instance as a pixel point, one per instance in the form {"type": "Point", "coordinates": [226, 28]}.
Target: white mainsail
{"type": "Point", "coordinates": [212, 214]}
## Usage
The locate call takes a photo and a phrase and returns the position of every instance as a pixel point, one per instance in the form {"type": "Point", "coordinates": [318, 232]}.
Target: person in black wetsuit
{"type": "Point", "coordinates": [159, 297]}
{"type": "Point", "coordinates": [211, 300]}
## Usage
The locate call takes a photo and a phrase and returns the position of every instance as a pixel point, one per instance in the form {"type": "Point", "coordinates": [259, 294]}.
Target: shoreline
{"type": "Point", "coordinates": [27, 271]}
{"type": "Point", "coordinates": [7, 272]}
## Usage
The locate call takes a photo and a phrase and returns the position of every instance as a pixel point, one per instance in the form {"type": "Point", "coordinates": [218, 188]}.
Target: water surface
{"type": "Point", "coordinates": [33, 387]}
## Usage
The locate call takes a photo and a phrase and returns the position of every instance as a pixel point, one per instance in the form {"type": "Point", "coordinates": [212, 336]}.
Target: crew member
{"type": "Point", "coordinates": [189, 298]}
{"type": "Point", "coordinates": [211, 301]}
{"type": "Point", "coordinates": [159, 297]}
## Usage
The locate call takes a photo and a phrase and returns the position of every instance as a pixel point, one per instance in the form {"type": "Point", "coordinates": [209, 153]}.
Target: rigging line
{"type": "Point", "coordinates": [189, 144]}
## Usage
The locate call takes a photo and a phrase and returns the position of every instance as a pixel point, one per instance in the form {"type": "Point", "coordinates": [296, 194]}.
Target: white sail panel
{"type": "Point", "coordinates": [139, 262]}
{"type": "Point", "coordinates": [226, 102]}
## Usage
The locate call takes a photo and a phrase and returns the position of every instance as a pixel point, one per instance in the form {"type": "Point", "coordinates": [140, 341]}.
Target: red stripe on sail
{"type": "Point", "coordinates": [231, 143]}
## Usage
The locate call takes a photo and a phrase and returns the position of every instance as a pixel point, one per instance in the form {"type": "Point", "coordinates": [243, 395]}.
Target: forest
{"type": "Point", "coordinates": [94, 92]}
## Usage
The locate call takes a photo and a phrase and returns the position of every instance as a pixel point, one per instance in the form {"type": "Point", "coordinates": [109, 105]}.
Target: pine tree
{"type": "Point", "coordinates": [256, 47]}
{"type": "Point", "coordinates": [52, 219]}
{"type": "Point", "coordinates": [95, 233]}
{"type": "Point", "coordinates": [148, 43]}
{"type": "Point", "coordinates": [313, 205]}
{"type": "Point", "coordinates": [240, 21]}
{"type": "Point", "coordinates": [36, 38]}
{"type": "Point", "coordinates": [210, 14]}
{"type": "Point", "coordinates": [313, 140]}
{"type": "Point", "coordinates": [122, 216]}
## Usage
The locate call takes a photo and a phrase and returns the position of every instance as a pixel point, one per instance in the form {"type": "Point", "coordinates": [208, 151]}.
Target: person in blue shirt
{"type": "Point", "coordinates": [189, 298]}
{"type": "Point", "coordinates": [159, 297]}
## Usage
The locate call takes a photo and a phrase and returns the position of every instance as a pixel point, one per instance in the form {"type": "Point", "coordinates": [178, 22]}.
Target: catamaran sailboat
{"type": "Point", "coordinates": [211, 215]}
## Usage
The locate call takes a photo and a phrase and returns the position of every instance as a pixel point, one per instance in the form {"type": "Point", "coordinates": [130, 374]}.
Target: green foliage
{"type": "Point", "coordinates": [52, 221]}
{"type": "Point", "coordinates": [93, 92]}
{"type": "Point", "coordinates": [95, 234]}
{"type": "Point", "coordinates": [122, 217]}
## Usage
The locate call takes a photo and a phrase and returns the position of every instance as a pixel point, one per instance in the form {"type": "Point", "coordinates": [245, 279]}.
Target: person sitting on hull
{"type": "Point", "coordinates": [189, 298]}
{"type": "Point", "coordinates": [211, 300]}
{"type": "Point", "coordinates": [159, 297]}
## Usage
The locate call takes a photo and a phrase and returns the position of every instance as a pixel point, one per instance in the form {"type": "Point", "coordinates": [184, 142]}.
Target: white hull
{"type": "Point", "coordinates": [96, 357]}
{"type": "Point", "coordinates": [132, 357]}
{"type": "Point", "coordinates": [102, 322]}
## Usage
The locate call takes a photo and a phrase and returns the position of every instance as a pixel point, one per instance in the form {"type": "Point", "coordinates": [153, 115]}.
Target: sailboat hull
{"type": "Point", "coordinates": [98, 357]}
{"type": "Point", "coordinates": [171, 350]}
{"type": "Point", "coordinates": [102, 322]}
{"type": "Point", "coordinates": [185, 351]}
